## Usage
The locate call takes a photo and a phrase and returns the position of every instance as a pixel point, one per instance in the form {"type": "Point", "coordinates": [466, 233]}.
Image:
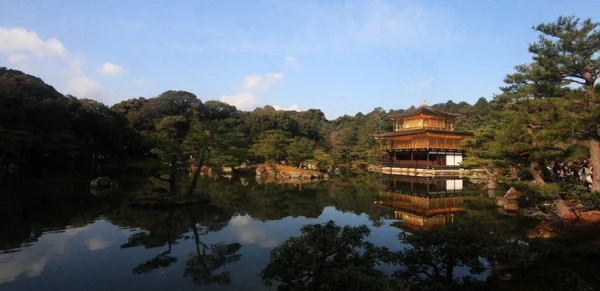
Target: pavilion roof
{"type": "Point", "coordinates": [419, 131]}
{"type": "Point", "coordinates": [426, 110]}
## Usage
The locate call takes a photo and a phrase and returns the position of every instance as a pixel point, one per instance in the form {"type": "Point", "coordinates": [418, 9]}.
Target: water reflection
{"type": "Point", "coordinates": [165, 229]}
{"type": "Point", "coordinates": [420, 202]}
{"type": "Point", "coordinates": [221, 245]}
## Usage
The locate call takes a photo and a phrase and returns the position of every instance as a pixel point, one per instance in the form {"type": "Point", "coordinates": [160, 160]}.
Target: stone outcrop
{"type": "Point", "coordinates": [513, 194]}
{"type": "Point", "coordinates": [507, 204]}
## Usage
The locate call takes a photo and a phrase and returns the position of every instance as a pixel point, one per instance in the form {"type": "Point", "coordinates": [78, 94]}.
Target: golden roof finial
{"type": "Point", "coordinates": [424, 103]}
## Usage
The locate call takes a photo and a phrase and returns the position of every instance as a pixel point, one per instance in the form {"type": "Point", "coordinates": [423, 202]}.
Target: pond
{"type": "Point", "coordinates": [84, 242]}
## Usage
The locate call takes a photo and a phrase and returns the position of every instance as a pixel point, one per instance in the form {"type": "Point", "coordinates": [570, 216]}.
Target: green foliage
{"type": "Point", "coordinates": [326, 257]}
{"type": "Point", "coordinates": [323, 159]}
{"type": "Point", "coordinates": [271, 145]}
{"type": "Point", "coordinates": [590, 200]}
{"type": "Point", "coordinates": [299, 149]}
{"type": "Point", "coordinates": [538, 192]}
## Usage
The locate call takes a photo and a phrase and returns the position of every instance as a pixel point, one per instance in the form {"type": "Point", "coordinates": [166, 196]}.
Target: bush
{"type": "Point", "coordinates": [538, 192]}
{"type": "Point", "coordinates": [590, 200]}
{"type": "Point", "coordinates": [577, 191]}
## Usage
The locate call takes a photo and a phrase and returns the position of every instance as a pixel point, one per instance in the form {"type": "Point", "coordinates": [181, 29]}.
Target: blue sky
{"type": "Point", "coordinates": [343, 57]}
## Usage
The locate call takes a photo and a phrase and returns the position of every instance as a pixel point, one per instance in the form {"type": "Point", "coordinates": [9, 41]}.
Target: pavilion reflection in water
{"type": "Point", "coordinates": [420, 202]}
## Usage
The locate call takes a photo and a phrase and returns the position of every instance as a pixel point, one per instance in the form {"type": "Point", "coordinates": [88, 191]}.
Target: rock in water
{"type": "Point", "coordinates": [100, 182]}
{"type": "Point", "coordinates": [513, 194]}
{"type": "Point", "coordinates": [508, 205]}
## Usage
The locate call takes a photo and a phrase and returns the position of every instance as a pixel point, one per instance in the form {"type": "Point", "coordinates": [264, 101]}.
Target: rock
{"type": "Point", "coordinates": [295, 175]}
{"type": "Point", "coordinates": [227, 169]}
{"type": "Point", "coordinates": [543, 230]}
{"type": "Point", "coordinates": [100, 182]}
{"type": "Point", "coordinates": [491, 185]}
{"type": "Point", "coordinates": [513, 194]}
{"type": "Point", "coordinates": [244, 181]}
{"type": "Point", "coordinates": [260, 170]}
{"type": "Point", "coordinates": [508, 205]}
{"type": "Point", "coordinates": [260, 179]}
{"type": "Point", "coordinates": [326, 176]}
{"type": "Point", "coordinates": [337, 170]}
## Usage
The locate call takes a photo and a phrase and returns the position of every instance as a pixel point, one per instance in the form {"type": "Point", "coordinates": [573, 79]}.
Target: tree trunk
{"type": "Point", "coordinates": [194, 181]}
{"type": "Point", "coordinates": [173, 177]}
{"type": "Point", "coordinates": [536, 171]}
{"type": "Point", "coordinates": [449, 272]}
{"type": "Point", "coordinates": [594, 147]}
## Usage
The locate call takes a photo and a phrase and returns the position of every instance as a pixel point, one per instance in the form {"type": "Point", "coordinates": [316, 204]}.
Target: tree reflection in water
{"type": "Point", "coordinates": [171, 227]}
{"type": "Point", "coordinates": [207, 259]}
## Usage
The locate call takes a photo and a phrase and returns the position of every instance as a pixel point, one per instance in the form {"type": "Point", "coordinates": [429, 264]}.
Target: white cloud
{"type": "Point", "coordinates": [240, 220]}
{"type": "Point", "coordinates": [140, 81]}
{"type": "Point", "coordinates": [242, 100]}
{"type": "Point", "coordinates": [96, 244]}
{"type": "Point", "coordinates": [22, 40]}
{"type": "Point", "coordinates": [32, 261]}
{"type": "Point", "coordinates": [248, 231]}
{"type": "Point", "coordinates": [260, 83]}
{"type": "Point", "coordinates": [245, 100]}
{"type": "Point", "coordinates": [15, 58]}
{"type": "Point", "coordinates": [49, 59]}
{"type": "Point", "coordinates": [414, 87]}
{"type": "Point", "coordinates": [110, 69]}
{"type": "Point", "coordinates": [293, 107]}
{"type": "Point", "coordinates": [291, 62]}
{"type": "Point", "coordinates": [85, 87]}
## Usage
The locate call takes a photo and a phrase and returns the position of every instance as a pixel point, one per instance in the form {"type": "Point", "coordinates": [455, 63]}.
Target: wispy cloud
{"type": "Point", "coordinates": [261, 83]}
{"type": "Point", "coordinates": [246, 100]}
{"type": "Point", "coordinates": [140, 81]}
{"type": "Point", "coordinates": [293, 107]}
{"type": "Point", "coordinates": [110, 69]}
{"type": "Point", "coordinates": [241, 100]}
{"type": "Point", "coordinates": [317, 26]}
{"type": "Point", "coordinates": [292, 62]}
{"type": "Point", "coordinates": [94, 244]}
{"type": "Point", "coordinates": [417, 86]}
{"type": "Point", "coordinates": [248, 231]}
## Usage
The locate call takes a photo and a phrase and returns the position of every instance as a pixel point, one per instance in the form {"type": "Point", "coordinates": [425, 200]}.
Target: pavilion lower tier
{"type": "Point", "coordinates": [423, 158]}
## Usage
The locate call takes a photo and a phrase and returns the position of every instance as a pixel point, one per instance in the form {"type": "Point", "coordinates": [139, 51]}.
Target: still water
{"type": "Point", "coordinates": [85, 242]}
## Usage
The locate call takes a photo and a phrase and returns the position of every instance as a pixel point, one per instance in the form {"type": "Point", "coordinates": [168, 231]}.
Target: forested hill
{"type": "Point", "coordinates": [41, 127]}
